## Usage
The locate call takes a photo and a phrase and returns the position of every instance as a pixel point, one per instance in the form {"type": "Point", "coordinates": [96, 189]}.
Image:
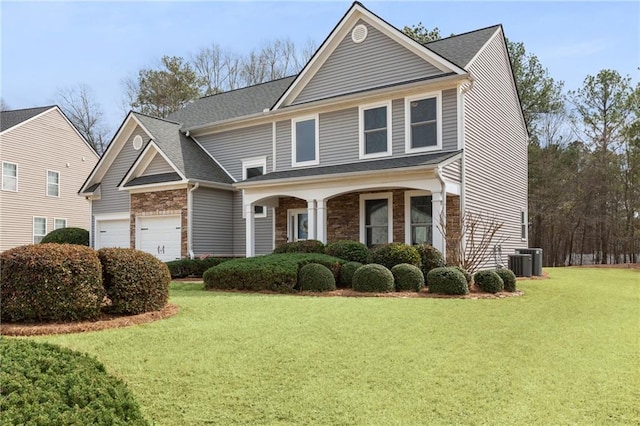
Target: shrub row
{"type": "Point", "coordinates": [447, 281]}
{"type": "Point", "coordinates": [193, 267]}
{"type": "Point", "coordinates": [68, 282]}
{"type": "Point", "coordinates": [47, 384]}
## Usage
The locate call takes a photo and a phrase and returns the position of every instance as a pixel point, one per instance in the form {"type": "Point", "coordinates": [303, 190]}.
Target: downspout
{"type": "Point", "coordinates": [190, 220]}
{"type": "Point", "coordinates": [443, 194]}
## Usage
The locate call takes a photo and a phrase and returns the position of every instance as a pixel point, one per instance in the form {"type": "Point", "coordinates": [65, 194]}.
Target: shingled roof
{"type": "Point", "coordinates": [11, 118]}
{"type": "Point", "coordinates": [190, 159]}
{"type": "Point", "coordinates": [460, 49]}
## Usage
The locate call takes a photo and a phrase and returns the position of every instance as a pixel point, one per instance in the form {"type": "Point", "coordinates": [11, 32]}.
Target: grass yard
{"type": "Point", "coordinates": [568, 351]}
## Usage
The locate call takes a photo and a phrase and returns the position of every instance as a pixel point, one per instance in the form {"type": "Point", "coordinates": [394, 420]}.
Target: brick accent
{"type": "Point", "coordinates": [159, 203]}
{"type": "Point", "coordinates": [454, 225]}
{"type": "Point", "coordinates": [285, 204]}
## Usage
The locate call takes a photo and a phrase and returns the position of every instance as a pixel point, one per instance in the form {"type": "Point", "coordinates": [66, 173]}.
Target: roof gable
{"type": "Point", "coordinates": [12, 118]}
{"type": "Point", "coordinates": [146, 157]}
{"type": "Point", "coordinates": [461, 49]}
{"type": "Point", "coordinates": [356, 14]}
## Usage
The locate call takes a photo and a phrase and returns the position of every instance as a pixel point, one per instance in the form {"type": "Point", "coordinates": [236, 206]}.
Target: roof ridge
{"type": "Point", "coordinates": [462, 34]}
{"type": "Point", "coordinates": [26, 109]}
{"type": "Point", "coordinates": [246, 87]}
{"type": "Point", "coordinates": [157, 118]}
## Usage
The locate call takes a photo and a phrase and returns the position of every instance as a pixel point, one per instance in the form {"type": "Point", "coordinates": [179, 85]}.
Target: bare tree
{"type": "Point", "coordinates": [3, 105]}
{"type": "Point", "coordinates": [304, 54]}
{"type": "Point", "coordinates": [85, 114]}
{"type": "Point", "coordinates": [210, 64]}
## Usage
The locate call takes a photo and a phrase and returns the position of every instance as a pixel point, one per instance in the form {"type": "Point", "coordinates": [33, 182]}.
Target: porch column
{"type": "Point", "coordinates": [321, 224]}
{"type": "Point", "coordinates": [437, 213]}
{"type": "Point", "coordinates": [311, 219]}
{"type": "Point", "coordinates": [250, 250]}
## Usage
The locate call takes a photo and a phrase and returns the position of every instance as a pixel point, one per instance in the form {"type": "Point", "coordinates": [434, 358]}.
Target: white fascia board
{"type": "Point", "coordinates": [27, 121]}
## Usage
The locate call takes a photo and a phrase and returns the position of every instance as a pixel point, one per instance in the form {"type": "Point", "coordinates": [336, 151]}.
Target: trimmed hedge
{"type": "Point", "coordinates": [135, 281]}
{"type": "Point", "coordinates": [467, 275]}
{"type": "Point", "coordinates": [430, 257]}
{"type": "Point", "coordinates": [392, 254]}
{"type": "Point", "coordinates": [46, 384]}
{"type": "Point", "coordinates": [316, 277]}
{"type": "Point", "coordinates": [67, 236]}
{"type": "Point", "coordinates": [508, 278]}
{"type": "Point", "coordinates": [50, 282]}
{"type": "Point", "coordinates": [447, 281]}
{"type": "Point", "coordinates": [346, 273]}
{"type": "Point", "coordinates": [353, 251]}
{"type": "Point", "coordinates": [488, 281]}
{"type": "Point", "coordinates": [184, 268]}
{"type": "Point", "coordinates": [304, 246]}
{"type": "Point", "coordinates": [274, 272]}
{"type": "Point", "coordinates": [407, 277]}
{"type": "Point", "coordinates": [373, 278]}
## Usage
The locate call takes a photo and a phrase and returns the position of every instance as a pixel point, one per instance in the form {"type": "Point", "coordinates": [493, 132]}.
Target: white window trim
{"type": "Point", "coordinates": [295, 163]}
{"type": "Point", "coordinates": [407, 211]}
{"type": "Point", "coordinates": [59, 218]}
{"type": "Point", "coordinates": [247, 164]}
{"type": "Point", "coordinates": [47, 190]}
{"type": "Point", "coordinates": [376, 196]}
{"type": "Point", "coordinates": [293, 213]}
{"type": "Point", "coordinates": [524, 223]}
{"type": "Point", "coordinates": [15, 164]}
{"type": "Point", "coordinates": [407, 121]}
{"type": "Point", "coordinates": [33, 230]}
{"type": "Point", "coordinates": [361, 111]}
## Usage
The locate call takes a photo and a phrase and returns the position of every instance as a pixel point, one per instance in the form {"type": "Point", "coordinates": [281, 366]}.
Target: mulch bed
{"type": "Point", "coordinates": [106, 322]}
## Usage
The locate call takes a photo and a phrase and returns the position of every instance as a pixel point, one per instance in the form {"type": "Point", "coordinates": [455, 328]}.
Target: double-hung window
{"type": "Point", "coordinates": [39, 229]}
{"type": "Point", "coordinates": [523, 225]}
{"type": "Point", "coordinates": [304, 138]}
{"type": "Point", "coordinates": [423, 130]}
{"type": "Point", "coordinates": [418, 217]}
{"type": "Point", "coordinates": [376, 224]}
{"type": "Point", "coordinates": [375, 130]}
{"type": "Point", "coordinates": [251, 168]}
{"type": "Point", "coordinates": [53, 183]}
{"type": "Point", "coordinates": [59, 223]}
{"type": "Point", "coordinates": [9, 176]}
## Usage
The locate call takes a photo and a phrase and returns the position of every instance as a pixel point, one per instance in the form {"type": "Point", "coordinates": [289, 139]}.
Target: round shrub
{"type": "Point", "coordinates": [67, 236]}
{"type": "Point", "coordinates": [467, 275]}
{"type": "Point", "coordinates": [46, 384]}
{"type": "Point", "coordinates": [390, 255]}
{"type": "Point", "coordinates": [447, 281]}
{"type": "Point", "coordinates": [135, 281]}
{"type": "Point", "coordinates": [407, 277]}
{"type": "Point", "coordinates": [508, 278]}
{"type": "Point", "coordinates": [304, 246]}
{"type": "Point", "coordinates": [353, 251]}
{"type": "Point", "coordinates": [316, 277]}
{"type": "Point", "coordinates": [488, 281]}
{"type": "Point", "coordinates": [346, 273]}
{"type": "Point", "coordinates": [373, 278]}
{"type": "Point", "coordinates": [50, 282]}
{"type": "Point", "coordinates": [430, 257]}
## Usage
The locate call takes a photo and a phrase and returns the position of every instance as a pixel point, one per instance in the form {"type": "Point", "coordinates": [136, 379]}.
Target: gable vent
{"type": "Point", "coordinates": [137, 142]}
{"type": "Point", "coordinates": [359, 33]}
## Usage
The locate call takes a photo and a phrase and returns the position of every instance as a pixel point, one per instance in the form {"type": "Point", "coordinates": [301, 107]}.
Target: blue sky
{"type": "Point", "coordinates": [51, 45]}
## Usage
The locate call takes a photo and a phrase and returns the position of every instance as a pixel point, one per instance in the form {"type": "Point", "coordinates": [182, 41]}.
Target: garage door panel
{"type": "Point", "coordinates": [112, 233]}
{"type": "Point", "coordinates": [160, 236]}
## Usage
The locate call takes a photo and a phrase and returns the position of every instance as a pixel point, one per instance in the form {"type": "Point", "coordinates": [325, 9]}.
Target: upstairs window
{"type": "Point", "coordinates": [9, 176]}
{"type": "Point", "coordinates": [375, 130]}
{"type": "Point", "coordinates": [39, 229]}
{"type": "Point", "coordinates": [252, 168]}
{"type": "Point", "coordinates": [53, 183]}
{"type": "Point", "coordinates": [423, 123]}
{"type": "Point", "coordinates": [304, 136]}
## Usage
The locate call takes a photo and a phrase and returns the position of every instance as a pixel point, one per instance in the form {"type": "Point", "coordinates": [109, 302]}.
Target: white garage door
{"type": "Point", "coordinates": [112, 233]}
{"type": "Point", "coordinates": [160, 236]}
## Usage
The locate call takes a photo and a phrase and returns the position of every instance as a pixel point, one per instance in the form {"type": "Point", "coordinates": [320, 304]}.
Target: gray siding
{"type": "Point", "coordinates": [47, 142]}
{"type": "Point", "coordinates": [263, 229]}
{"type": "Point", "coordinates": [212, 209]}
{"type": "Point", "coordinates": [283, 145]}
{"type": "Point", "coordinates": [157, 166]}
{"type": "Point", "coordinates": [496, 145]}
{"type": "Point", "coordinates": [452, 171]}
{"type": "Point", "coordinates": [375, 62]}
{"type": "Point", "coordinates": [111, 199]}
{"type": "Point", "coordinates": [449, 120]}
{"type": "Point", "coordinates": [397, 126]}
{"type": "Point", "coordinates": [231, 147]}
{"type": "Point", "coordinates": [339, 136]}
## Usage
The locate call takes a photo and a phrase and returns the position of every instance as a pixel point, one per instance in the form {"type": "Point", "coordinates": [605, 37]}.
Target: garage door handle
{"type": "Point", "coordinates": [102, 232]}
{"type": "Point", "coordinates": [144, 229]}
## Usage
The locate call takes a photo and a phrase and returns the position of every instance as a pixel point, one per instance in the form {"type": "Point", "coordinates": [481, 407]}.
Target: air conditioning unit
{"type": "Point", "coordinates": [536, 259]}
{"type": "Point", "coordinates": [520, 264]}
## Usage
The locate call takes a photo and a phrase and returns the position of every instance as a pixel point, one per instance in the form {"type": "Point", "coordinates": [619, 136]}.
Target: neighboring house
{"type": "Point", "coordinates": [44, 162]}
{"type": "Point", "coordinates": [376, 140]}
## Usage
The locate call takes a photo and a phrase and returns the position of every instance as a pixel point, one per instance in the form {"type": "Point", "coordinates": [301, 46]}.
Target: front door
{"type": "Point", "coordinates": [298, 225]}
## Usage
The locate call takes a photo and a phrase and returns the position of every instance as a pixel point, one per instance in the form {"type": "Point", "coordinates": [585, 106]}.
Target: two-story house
{"type": "Point", "coordinates": [378, 139]}
{"type": "Point", "coordinates": [44, 162]}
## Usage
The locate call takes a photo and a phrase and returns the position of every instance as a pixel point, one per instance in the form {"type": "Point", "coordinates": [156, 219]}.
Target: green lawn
{"type": "Point", "coordinates": [568, 351]}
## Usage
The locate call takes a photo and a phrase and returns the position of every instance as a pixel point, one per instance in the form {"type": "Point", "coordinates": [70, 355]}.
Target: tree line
{"type": "Point", "coordinates": [584, 144]}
